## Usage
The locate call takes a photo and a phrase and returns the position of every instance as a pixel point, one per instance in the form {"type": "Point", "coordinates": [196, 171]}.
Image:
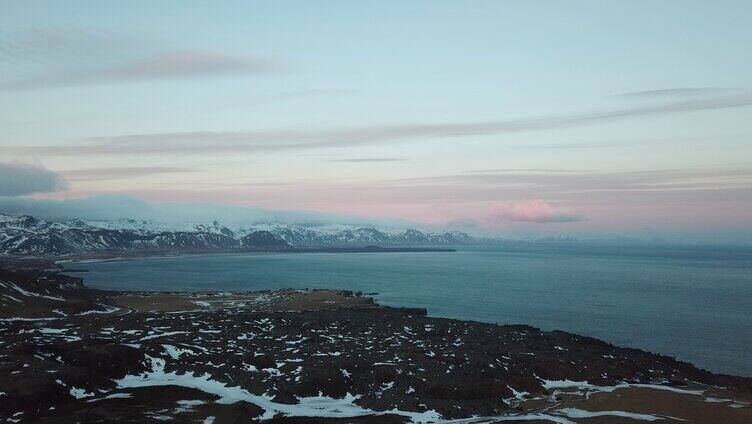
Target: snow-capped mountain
{"type": "Point", "coordinates": [354, 236]}
{"type": "Point", "coordinates": [28, 235]}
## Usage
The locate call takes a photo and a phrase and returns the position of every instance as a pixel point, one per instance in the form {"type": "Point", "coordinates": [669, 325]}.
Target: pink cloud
{"type": "Point", "coordinates": [532, 211]}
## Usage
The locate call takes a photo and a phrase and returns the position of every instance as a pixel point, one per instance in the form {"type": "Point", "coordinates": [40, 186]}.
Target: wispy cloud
{"type": "Point", "coordinates": [676, 92]}
{"type": "Point", "coordinates": [312, 92]}
{"type": "Point", "coordinates": [541, 170]}
{"type": "Point", "coordinates": [358, 160]}
{"type": "Point", "coordinates": [569, 146]}
{"type": "Point", "coordinates": [62, 46]}
{"type": "Point", "coordinates": [536, 211]}
{"type": "Point", "coordinates": [98, 174]}
{"type": "Point", "coordinates": [120, 206]}
{"type": "Point", "coordinates": [201, 142]}
{"type": "Point", "coordinates": [174, 64]}
{"type": "Point", "coordinates": [567, 191]}
{"type": "Point", "coordinates": [17, 179]}
{"type": "Point", "coordinates": [492, 200]}
{"type": "Point", "coordinates": [688, 186]}
{"type": "Point", "coordinates": [55, 58]}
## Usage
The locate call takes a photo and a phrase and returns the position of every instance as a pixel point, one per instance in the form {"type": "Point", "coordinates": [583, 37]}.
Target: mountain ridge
{"type": "Point", "coordinates": [28, 235]}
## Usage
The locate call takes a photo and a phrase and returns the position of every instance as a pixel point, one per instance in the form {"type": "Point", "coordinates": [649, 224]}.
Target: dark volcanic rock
{"type": "Point", "coordinates": [262, 361]}
{"type": "Point", "coordinates": [263, 240]}
{"type": "Point", "coordinates": [101, 359]}
{"type": "Point", "coordinates": [370, 419]}
{"type": "Point", "coordinates": [326, 379]}
{"type": "Point", "coordinates": [238, 412]}
{"type": "Point", "coordinates": [147, 404]}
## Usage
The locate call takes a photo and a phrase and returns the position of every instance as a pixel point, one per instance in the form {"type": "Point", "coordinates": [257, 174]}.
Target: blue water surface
{"type": "Point", "coordinates": [693, 303]}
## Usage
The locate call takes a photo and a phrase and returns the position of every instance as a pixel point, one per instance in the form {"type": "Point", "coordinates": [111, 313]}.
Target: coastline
{"type": "Point", "coordinates": [162, 254]}
{"type": "Point", "coordinates": [549, 289]}
{"type": "Point", "coordinates": [307, 339]}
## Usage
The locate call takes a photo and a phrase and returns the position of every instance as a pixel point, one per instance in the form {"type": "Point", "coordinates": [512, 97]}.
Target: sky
{"type": "Point", "coordinates": [494, 117]}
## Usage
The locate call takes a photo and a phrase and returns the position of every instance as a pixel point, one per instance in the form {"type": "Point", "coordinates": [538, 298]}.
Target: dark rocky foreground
{"type": "Point", "coordinates": [71, 354]}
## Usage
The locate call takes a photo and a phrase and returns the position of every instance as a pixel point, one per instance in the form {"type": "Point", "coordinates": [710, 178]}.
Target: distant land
{"type": "Point", "coordinates": [27, 235]}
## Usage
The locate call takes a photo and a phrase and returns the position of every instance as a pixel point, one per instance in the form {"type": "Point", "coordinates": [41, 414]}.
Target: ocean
{"type": "Point", "coordinates": [692, 303]}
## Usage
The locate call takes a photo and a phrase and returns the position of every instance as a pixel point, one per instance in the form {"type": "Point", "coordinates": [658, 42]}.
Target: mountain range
{"type": "Point", "coordinates": [26, 235]}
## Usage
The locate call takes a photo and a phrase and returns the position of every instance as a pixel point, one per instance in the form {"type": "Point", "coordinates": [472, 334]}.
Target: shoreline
{"type": "Point", "coordinates": [161, 254]}
{"type": "Point", "coordinates": [322, 346]}
{"type": "Point", "coordinates": [637, 333]}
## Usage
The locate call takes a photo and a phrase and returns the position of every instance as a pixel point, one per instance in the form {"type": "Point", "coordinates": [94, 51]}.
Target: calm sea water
{"type": "Point", "coordinates": [688, 302]}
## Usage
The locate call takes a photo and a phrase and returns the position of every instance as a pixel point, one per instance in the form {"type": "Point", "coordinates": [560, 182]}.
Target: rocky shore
{"type": "Point", "coordinates": [72, 354]}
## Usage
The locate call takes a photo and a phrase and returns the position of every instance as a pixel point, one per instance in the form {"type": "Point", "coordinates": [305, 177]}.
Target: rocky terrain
{"type": "Point", "coordinates": [71, 354]}
{"type": "Point", "coordinates": [26, 235]}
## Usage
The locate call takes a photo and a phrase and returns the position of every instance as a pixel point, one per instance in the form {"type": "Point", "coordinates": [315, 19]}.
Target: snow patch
{"type": "Point", "coordinates": [175, 352]}
{"type": "Point", "coordinates": [581, 413]}
{"type": "Point", "coordinates": [80, 393]}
